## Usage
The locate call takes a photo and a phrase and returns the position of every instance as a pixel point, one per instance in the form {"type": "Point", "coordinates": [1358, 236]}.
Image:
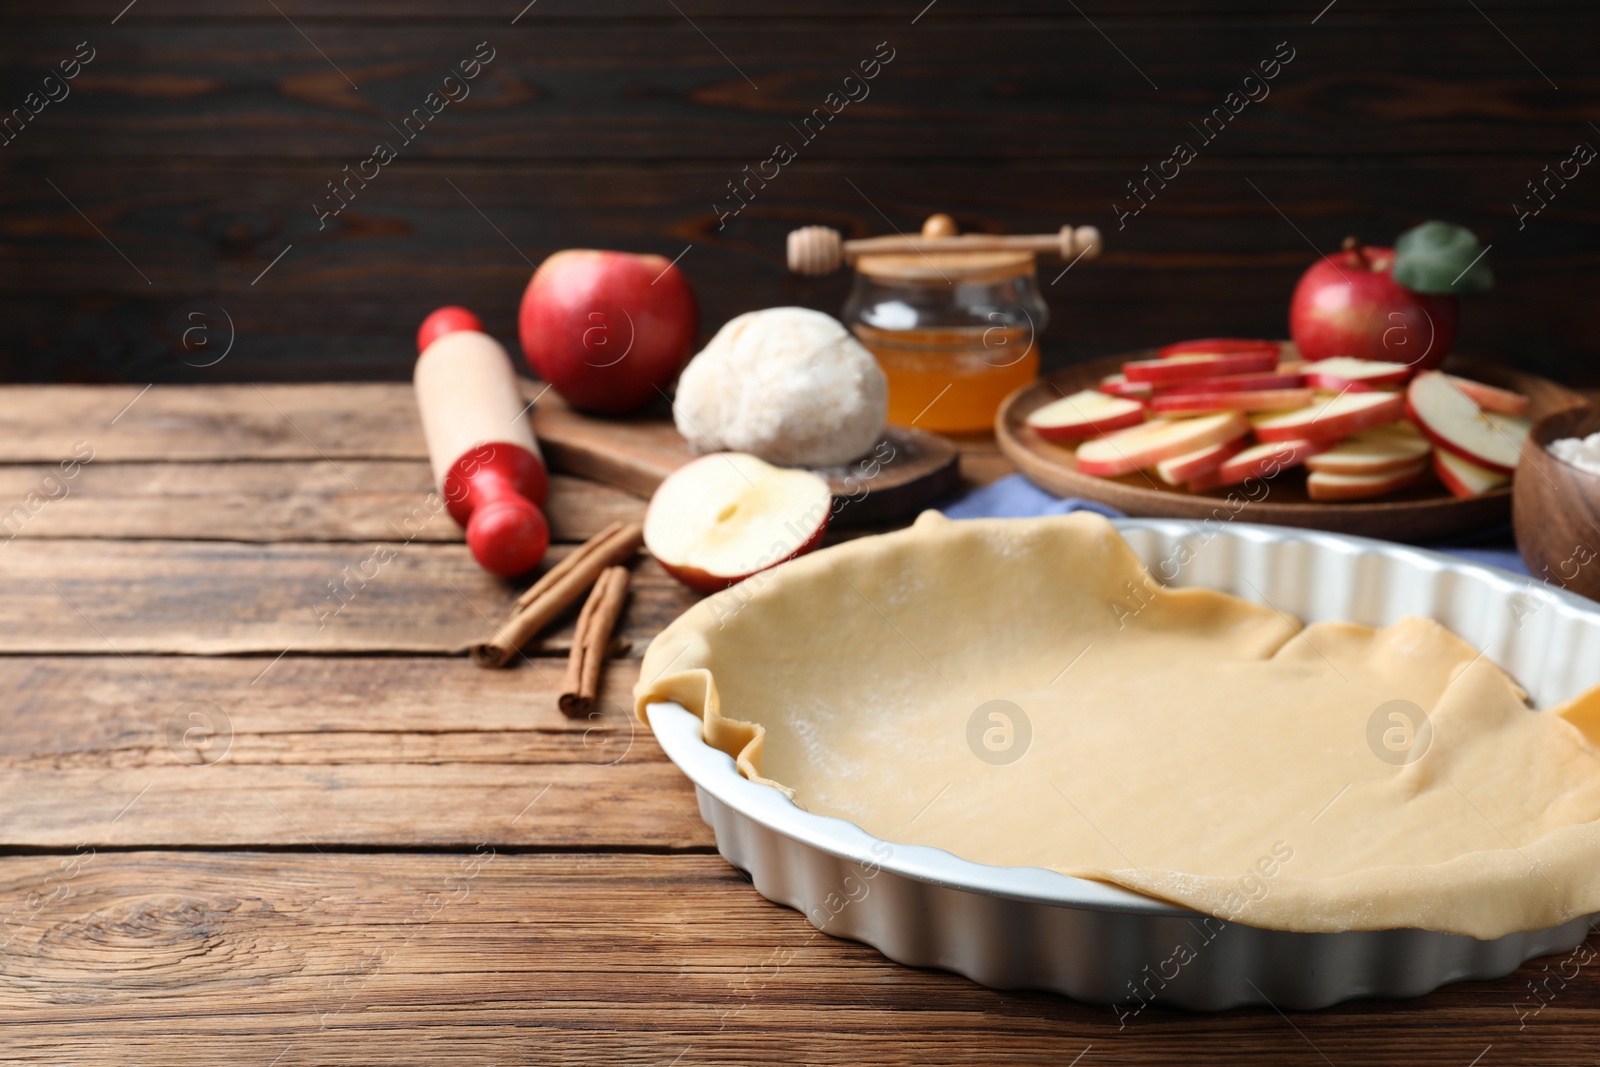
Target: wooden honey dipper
{"type": "Point", "coordinates": [814, 250]}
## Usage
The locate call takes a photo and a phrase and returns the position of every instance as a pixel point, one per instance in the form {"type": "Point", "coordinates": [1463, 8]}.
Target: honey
{"type": "Point", "coordinates": [951, 379]}
{"type": "Point", "coordinates": [955, 332]}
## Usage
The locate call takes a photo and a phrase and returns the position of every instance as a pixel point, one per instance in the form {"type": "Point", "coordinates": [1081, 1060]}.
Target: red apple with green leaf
{"type": "Point", "coordinates": [1393, 305]}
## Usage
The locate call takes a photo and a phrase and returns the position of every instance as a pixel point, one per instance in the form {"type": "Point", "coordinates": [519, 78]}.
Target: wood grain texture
{"type": "Point", "coordinates": [320, 752]}
{"type": "Point", "coordinates": [324, 951]}
{"type": "Point", "coordinates": [178, 424]}
{"type": "Point", "coordinates": [195, 144]}
{"type": "Point", "coordinates": [489, 957]}
{"type": "Point", "coordinates": [368, 11]}
{"type": "Point", "coordinates": [1209, 256]}
{"type": "Point", "coordinates": [657, 90]}
{"type": "Point", "coordinates": [265, 501]}
{"type": "Point", "coordinates": [204, 132]}
{"type": "Point", "coordinates": [237, 479]}
{"type": "Point", "coordinates": [103, 597]}
{"type": "Point", "coordinates": [982, 462]}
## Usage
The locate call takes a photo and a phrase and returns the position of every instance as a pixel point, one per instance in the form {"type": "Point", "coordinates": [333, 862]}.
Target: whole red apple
{"type": "Point", "coordinates": [1348, 304]}
{"type": "Point", "coordinates": [608, 330]}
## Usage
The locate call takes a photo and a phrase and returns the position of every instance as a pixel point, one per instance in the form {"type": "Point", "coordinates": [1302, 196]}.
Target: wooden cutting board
{"type": "Point", "coordinates": [905, 472]}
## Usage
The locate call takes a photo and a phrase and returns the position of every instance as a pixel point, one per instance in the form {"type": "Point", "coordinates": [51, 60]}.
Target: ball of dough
{"type": "Point", "coordinates": [787, 384]}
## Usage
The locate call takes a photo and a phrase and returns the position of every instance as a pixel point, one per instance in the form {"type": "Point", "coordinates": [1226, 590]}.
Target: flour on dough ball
{"type": "Point", "coordinates": [787, 384]}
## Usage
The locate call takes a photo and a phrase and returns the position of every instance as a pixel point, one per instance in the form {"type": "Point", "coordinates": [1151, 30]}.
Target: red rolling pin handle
{"type": "Point", "coordinates": [467, 392]}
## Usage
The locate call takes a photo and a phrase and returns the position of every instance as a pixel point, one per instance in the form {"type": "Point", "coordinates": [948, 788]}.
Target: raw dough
{"type": "Point", "coordinates": [787, 384]}
{"type": "Point", "coordinates": [1186, 744]}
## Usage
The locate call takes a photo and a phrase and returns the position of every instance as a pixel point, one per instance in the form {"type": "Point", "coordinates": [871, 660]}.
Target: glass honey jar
{"type": "Point", "coordinates": [954, 331]}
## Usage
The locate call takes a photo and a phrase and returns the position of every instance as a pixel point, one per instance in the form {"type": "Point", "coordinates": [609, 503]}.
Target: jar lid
{"type": "Point", "coordinates": [944, 267]}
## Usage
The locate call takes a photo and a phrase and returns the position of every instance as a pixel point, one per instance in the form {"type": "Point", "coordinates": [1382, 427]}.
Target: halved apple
{"type": "Point", "coordinates": [1373, 452]}
{"type": "Point", "coordinates": [1242, 400]}
{"type": "Point", "coordinates": [1333, 418]}
{"type": "Point", "coordinates": [1463, 477]}
{"type": "Point", "coordinates": [1346, 372]}
{"type": "Point", "coordinates": [1118, 385]}
{"type": "Point", "coordinates": [1489, 398]}
{"type": "Point", "coordinates": [1454, 422]}
{"type": "Point", "coordinates": [1264, 460]}
{"type": "Point", "coordinates": [1187, 367]}
{"type": "Point", "coordinates": [1202, 461]}
{"type": "Point", "coordinates": [1228, 383]}
{"type": "Point", "coordinates": [719, 519]}
{"type": "Point", "coordinates": [1217, 346]}
{"type": "Point", "coordinates": [1129, 450]}
{"type": "Point", "coordinates": [1321, 485]}
{"type": "Point", "coordinates": [1085, 414]}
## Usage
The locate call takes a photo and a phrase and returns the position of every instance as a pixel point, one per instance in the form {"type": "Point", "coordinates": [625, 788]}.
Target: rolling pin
{"type": "Point", "coordinates": [486, 464]}
{"type": "Point", "coordinates": [814, 250]}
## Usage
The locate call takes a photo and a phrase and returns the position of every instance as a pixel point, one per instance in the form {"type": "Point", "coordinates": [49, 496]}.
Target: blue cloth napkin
{"type": "Point", "coordinates": [1015, 497]}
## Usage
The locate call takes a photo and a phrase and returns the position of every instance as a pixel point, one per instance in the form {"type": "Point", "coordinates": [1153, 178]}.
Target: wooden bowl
{"type": "Point", "coordinates": [1425, 512]}
{"type": "Point", "coordinates": [1556, 507]}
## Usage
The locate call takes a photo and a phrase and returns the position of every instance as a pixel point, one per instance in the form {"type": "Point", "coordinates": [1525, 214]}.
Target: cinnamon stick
{"type": "Point", "coordinates": [581, 685]}
{"type": "Point", "coordinates": [555, 591]}
{"type": "Point", "coordinates": [557, 572]}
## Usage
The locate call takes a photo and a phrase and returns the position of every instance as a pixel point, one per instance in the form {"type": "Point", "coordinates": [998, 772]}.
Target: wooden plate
{"type": "Point", "coordinates": [904, 473]}
{"type": "Point", "coordinates": [1425, 512]}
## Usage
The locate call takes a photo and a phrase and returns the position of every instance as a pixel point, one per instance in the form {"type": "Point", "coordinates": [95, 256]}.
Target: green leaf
{"type": "Point", "coordinates": [1437, 257]}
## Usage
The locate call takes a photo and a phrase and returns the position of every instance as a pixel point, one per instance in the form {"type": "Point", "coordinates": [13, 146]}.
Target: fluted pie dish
{"type": "Point", "coordinates": [1049, 753]}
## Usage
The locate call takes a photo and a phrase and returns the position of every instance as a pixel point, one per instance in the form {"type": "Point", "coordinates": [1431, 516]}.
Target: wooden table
{"type": "Point", "coordinates": [248, 823]}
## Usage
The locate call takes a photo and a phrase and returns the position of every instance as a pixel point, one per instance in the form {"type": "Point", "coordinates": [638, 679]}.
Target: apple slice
{"type": "Point", "coordinates": [1118, 385]}
{"type": "Point", "coordinates": [719, 519]}
{"type": "Point", "coordinates": [1085, 414]}
{"type": "Point", "coordinates": [1334, 418]}
{"type": "Point", "coordinates": [1456, 424]}
{"type": "Point", "coordinates": [1260, 461]}
{"type": "Point", "coordinates": [1228, 383]}
{"type": "Point", "coordinates": [1321, 485]}
{"type": "Point", "coordinates": [1202, 461]}
{"type": "Point", "coordinates": [1188, 367]}
{"type": "Point", "coordinates": [1128, 450]}
{"type": "Point", "coordinates": [1243, 400]}
{"type": "Point", "coordinates": [1346, 372]}
{"type": "Point", "coordinates": [1218, 346]}
{"type": "Point", "coordinates": [1373, 452]}
{"type": "Point", "coordinates": [1489, 398]}
{"type": "Point", "coordinates": [1463, 477]}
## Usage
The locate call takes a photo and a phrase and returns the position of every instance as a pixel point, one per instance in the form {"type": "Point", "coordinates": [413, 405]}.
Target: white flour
{"type": "Point", "coordinates": [1580, 452]}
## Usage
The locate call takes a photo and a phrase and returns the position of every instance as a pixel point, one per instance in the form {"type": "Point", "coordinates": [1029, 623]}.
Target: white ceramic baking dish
{"type": "Point", "coordinates": [1029, 928]}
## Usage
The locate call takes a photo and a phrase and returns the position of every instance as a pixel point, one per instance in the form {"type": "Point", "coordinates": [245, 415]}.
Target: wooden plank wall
{"type": "Point", "coordinates": [188, 153]}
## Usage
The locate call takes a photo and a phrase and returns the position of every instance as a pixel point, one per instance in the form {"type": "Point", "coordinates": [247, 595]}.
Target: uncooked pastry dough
{"type": "Point", "coordinates": [787, 384]}
{"type": "Point", "coordinates": [1198, 748]}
